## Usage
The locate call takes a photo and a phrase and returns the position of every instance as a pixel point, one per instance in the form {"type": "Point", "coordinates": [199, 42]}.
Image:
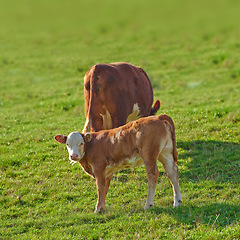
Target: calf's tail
{"type": "Point", "coordinates": [172, 128]}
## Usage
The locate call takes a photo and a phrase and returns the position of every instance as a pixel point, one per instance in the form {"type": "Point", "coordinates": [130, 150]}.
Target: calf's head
{"type": "Point", "coordinates": [75, 142]}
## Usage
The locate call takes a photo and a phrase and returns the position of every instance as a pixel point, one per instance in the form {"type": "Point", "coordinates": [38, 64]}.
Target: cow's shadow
{"type": "Point", "coordinates": [209, 160]}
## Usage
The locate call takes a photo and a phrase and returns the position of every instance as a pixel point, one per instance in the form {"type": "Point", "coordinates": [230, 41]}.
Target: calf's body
{"type": "Point", "coordinates": [145, 140]}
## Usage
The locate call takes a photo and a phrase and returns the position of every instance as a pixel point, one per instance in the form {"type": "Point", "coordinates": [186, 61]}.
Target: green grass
{"type": "Point", "coordinates": [191, 53]}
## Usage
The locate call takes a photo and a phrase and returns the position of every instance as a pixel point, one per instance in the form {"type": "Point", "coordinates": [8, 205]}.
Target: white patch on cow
{"type": "Point", "coordinates": [107, 120]}
{"type": "Point", "coordinates": [132, 162]}
{"type": "Point", "coordinates": [135, 113]}
{"type": "Point", "coordinates": [75, 146]}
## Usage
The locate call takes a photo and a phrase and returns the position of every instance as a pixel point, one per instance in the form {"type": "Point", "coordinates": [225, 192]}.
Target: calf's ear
{"type": "Point", "coordinates": [87, 137]}
{"type": "Point", "coordinates": [61, 138]}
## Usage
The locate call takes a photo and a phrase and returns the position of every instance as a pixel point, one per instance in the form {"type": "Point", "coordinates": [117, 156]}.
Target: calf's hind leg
{"type": "Point", "coordinates": [171, 169]}
{"type": "Point", "coordinates": [152, 175]}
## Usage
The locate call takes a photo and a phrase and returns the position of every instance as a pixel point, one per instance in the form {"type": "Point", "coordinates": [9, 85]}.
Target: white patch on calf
{"type": "Point", "coordinates": [132, 162]}
{"type": "Point", "coordinates": [117, 136]}
{"type": "Point", "coordinates": [138, 137]}
{"type": "Point", "coordinates": [75, 146]}
{"type": "Point", "coordinates": [112, 139]}
{"type": "Point", "coordinates": [100, 135]}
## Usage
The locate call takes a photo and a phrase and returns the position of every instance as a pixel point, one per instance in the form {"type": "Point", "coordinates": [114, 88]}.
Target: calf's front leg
{"type": "Point", "coordinates": [101, 190]}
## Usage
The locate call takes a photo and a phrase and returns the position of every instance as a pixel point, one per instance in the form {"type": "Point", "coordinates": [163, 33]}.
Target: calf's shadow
{"type": "Point", "coordinates": [209, 160]}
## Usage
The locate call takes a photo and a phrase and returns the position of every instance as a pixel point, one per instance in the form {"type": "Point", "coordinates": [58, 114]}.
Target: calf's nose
{"type": "Point", "coordinates": [74, 156]}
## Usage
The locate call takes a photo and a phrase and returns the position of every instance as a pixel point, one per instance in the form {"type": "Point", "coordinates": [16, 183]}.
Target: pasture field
{"type": "Point", "coordinates": [191, 52]}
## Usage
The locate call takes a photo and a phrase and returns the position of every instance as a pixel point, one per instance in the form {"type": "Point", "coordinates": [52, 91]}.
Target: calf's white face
{"type": "Point", "coordinates": [75, 145]}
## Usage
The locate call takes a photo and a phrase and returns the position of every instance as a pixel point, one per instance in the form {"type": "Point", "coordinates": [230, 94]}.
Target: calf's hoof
{"type": "Point", "coordinates": [99, 210]}
{"type": "Point", "coordinates": [147, 206]}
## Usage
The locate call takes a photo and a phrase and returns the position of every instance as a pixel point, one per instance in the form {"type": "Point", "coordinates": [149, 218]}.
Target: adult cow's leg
{"type": "Point", "coordinates": [171, 169]}
{"type": "Point", "coordinates": [93, 124]}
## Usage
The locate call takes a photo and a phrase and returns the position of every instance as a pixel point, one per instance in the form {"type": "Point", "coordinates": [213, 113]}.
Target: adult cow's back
{"type": "Point", "coordinates": [116, 93]}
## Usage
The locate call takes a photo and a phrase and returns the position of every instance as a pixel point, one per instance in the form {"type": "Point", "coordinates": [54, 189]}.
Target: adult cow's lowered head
{"type": "Point", "coordinates": [115, 94]}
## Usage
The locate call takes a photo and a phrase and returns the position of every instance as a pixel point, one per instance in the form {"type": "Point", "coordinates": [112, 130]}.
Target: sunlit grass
{"type": "Point", "coordinates": [191, 54]}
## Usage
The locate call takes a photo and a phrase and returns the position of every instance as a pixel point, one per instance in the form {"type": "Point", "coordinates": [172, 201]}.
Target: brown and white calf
{"type": "Point", "coordinates": [115, 94]}
{"type": "Point", "coordinates": [145, 140]}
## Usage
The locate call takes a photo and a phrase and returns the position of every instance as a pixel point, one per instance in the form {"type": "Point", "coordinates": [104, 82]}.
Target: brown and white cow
{"type": "Point", "coordinates": [145, 140]}
{"type": "Point", "coordinates": [115, 94]}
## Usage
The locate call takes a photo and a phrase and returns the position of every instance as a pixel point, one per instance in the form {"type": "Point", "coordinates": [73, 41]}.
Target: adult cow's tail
{"type": "Point", "coordinates": [155, 108]}
{"type": "Point", "coordinates": [87, 126]}
{"type": "Point", "coordinates": [93, 74]}
{"type": "Point", "coordinates": [172, 128]}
